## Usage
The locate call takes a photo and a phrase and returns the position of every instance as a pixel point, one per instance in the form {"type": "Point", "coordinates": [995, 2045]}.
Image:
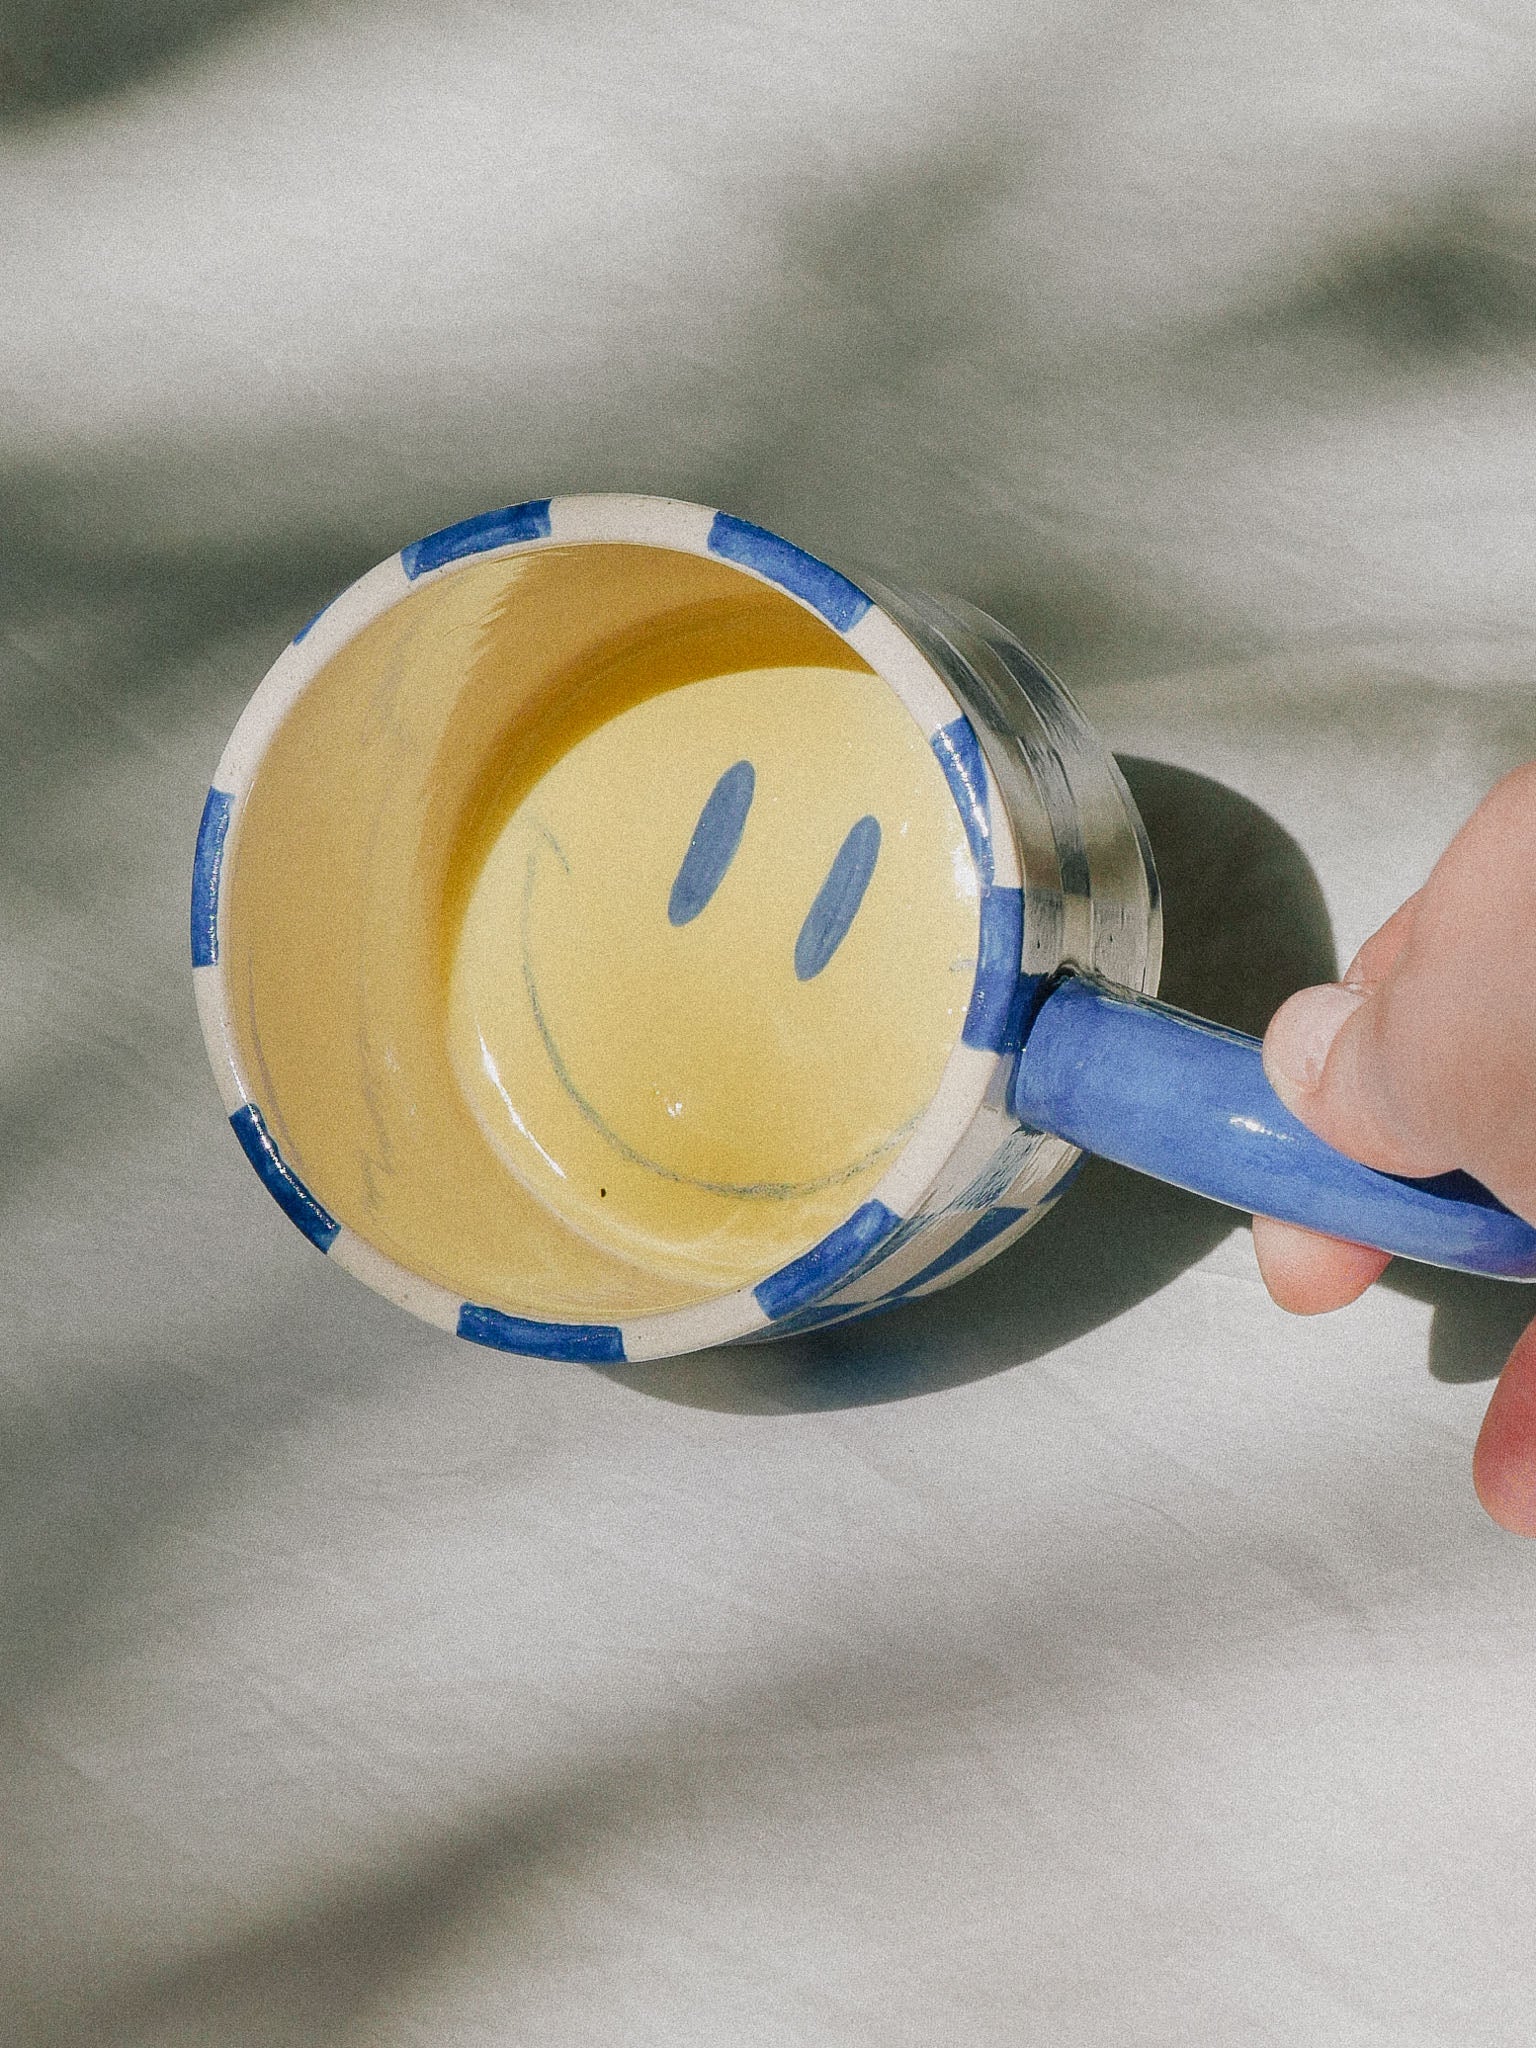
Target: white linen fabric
{"type": "Point", "coordinates": [1090, 1654]}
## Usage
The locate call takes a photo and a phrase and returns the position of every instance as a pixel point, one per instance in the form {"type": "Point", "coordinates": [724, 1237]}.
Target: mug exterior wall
{"type": "Point", "coordinates": [1089, 900]}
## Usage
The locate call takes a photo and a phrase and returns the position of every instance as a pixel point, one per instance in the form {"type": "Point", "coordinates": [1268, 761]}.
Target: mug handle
{"type": "Point", "coordinates": [1152, 1087]}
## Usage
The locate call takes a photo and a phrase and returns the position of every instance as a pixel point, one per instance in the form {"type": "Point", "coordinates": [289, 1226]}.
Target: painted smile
{"type": "Point", "coordinates": [710, 851]}
{"type": "Point", "coordinates": [712, 965]}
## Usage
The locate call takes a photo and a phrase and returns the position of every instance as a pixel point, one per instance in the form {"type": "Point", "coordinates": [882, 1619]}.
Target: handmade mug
{"type": "Point", "coordinates": [616, 932]}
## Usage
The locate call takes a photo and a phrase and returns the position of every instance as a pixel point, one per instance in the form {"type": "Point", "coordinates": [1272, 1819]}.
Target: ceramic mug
{"type": "Point", "coordinates": [616, 932]}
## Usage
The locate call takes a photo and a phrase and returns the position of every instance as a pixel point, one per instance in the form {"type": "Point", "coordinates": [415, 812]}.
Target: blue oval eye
{"type": "Point", "coordinates": [838, 899]}
{"type": "Point", "coordinates": [713, 845]}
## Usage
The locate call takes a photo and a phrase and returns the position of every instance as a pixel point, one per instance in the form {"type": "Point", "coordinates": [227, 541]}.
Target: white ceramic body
{"type": "Point", "coordinates": [1065, 873]}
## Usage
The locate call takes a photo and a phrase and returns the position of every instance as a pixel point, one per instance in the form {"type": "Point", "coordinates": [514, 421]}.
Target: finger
{"type": "Point", "coordinates": [1308, 1273]}
{"type": "Point", "coordinates": [1421, 1059]}
{"type": "Point", "coordinates": [1504, 1463]}
{"type": "Point", "coordinates": [1303, 1029]}
{"type": "Point", "coordinates": [1324, 1058]}
{"type": "Point", "coordinates": [1379, 955]}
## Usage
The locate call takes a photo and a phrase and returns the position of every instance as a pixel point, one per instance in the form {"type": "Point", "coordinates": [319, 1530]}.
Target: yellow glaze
{"type": "Point", "coordinates": [374, 931]}
{"type": "Point", "coordinates": [675, 1088]}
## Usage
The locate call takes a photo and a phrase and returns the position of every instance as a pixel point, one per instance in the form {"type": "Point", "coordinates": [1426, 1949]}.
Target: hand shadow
{"type": "Point", "coordinates": [1244, 926]}
{"type": "Point", "coordinates": [1475, 1321]}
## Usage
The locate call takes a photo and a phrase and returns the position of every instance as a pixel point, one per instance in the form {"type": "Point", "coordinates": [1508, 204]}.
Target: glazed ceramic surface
{"type": "Point", "coordinates": [612, 926]}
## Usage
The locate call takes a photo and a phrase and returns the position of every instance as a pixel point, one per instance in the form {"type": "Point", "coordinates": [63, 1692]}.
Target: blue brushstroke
{"type": "Point", "coordinates": [1001, 1171]}
{"type": "Point", "coordinates": [476, 536]}
{"type": "Point", "coordinates": [992, 1223]}
{"type": "Point", "coordinates": [713, 846]}
{"type": "Point", "coordinates": [838, 899]}
{"type": "Point", "coordinates": [986, 1227]}
{"type": "Point", "coordinates": [965, 770]}
{"type": "Point", "coordinates": [282, 1183]}
{"type": "Point", "coordinates": [584, 1343]}
{"type": "Point", "coordinates": [804, 1320]}
{"type": "Point", "coordinates": [841, 603]}
{"type": "Point", "coordinates": [207, 867]}
{"type": "Point", "coordinates": [312, 621]}
{"type": "Point", "coordinates": [1000, 993]}
{"type": "Point", "coordinates": [1187, 1101]}
{"type": "Point", "coordinates": [833, 1260]}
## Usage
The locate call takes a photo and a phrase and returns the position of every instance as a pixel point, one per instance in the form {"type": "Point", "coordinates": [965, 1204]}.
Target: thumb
{"type": "Point", "coordinates": [1325, 1057]}
{"type": "Point", "coordinates": [1422, 1058]}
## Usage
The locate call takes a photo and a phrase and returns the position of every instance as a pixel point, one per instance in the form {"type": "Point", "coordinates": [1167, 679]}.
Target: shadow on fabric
{"type": "Point", "coordinates": [58, 54]}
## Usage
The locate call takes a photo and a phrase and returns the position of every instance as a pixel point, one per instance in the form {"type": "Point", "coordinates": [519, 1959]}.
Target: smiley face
{"type": "Point", "coordinates": [712, 967]}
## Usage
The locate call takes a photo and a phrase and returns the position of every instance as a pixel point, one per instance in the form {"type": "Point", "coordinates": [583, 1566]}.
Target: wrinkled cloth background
{"type": "Point", "coordinates": [1091, 1654]}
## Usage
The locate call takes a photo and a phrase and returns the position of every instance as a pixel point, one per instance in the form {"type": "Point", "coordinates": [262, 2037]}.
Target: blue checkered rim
{"type": "Point", "coordinates": [788, 1298]}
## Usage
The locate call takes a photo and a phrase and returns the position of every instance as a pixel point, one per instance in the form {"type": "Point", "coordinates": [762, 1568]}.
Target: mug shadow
{"type": "Point", "coordinates": [1245, 925]}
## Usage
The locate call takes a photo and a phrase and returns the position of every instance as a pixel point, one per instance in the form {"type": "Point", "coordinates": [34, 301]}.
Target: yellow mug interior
{"type": "Point", "coordinates": [598, 927]}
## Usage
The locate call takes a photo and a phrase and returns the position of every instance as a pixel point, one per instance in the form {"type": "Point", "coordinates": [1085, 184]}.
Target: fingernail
{"type": "Point", "coordinates": [1301, 1035]}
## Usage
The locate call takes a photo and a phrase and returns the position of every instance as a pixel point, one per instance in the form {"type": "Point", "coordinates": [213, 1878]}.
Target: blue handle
{"type": "Point", "coordinates": [1186, 1101]}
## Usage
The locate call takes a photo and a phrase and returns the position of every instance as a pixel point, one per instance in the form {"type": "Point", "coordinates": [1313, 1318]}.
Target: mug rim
{"type": "Point", "coordinates": [870, 1230]}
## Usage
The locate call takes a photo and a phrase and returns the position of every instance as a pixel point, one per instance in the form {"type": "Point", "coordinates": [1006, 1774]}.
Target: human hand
{"type": "Point", "coordinates": [1423, 1058]}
